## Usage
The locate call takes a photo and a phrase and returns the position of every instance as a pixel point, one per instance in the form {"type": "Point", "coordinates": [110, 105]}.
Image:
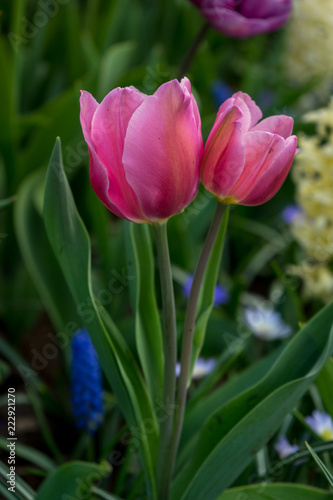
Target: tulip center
{"type": "Point", "coordinates": [228, 200]}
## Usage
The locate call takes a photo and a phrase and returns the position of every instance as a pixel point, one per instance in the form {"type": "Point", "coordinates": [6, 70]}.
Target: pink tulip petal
{"type": "Point", "coordinates": [224, 155]}
{"type": "Point", "coordinates": [108, 131]}
{"type": "Point", "coordinates": [162, 151]}
{"type": "Point", "coordinates": [281, 125]}
{"type": "Point", "coordinates": [271, 181]}
{"type": "Point", "coordinates": [88, 107]}
{"type": "Point", "coordinates": [100, 182]}
{"type": "Point", "coordinates": [251, 112]}
{"type": "Point", "coordinates": [261, 148]}
{"type": "Point", "coordinates": [98, 174]}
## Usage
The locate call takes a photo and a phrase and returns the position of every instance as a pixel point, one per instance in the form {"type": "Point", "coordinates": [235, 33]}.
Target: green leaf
{"type": "Point", "coordinates": [147, 322]}
{"type": "Point", "coordinates": [278, 491]}
{"type": "Point", "coordinates": [115, 62]}
{"type": "Point", "coordinates": [20, 486]}
{"type": "Point", "coordinates": [197, 414]}
{"type": "Point", "coordinates": [207, 292]}
{"type": "Point", "coordinates": [73, 480]}
{"type": "Point", "coordinates": [70, 242]}
{"type": "Point", "coordinates": [321, 465]}
{"type": "Point", "coordinates": [8, 201]}
{"type": "Point", "coordinates": [233, 435]}
{"type": "Point", "coordinates": [30, 454]}
{"type": "Point", "coordinates": [39, 259]}
{"type": "Point", "coordinates": [324, 382]}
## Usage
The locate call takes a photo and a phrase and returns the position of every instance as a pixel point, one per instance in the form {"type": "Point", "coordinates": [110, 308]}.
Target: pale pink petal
{"type": "Point", "coordinates": [88, 106]}
{"type": "Point", "coordinates": [108, 131]}
{"type": "Point", "coordinates": [251, 112]}
{"type": "Point", "coordinates": [162, 152]}
{"type": "Point", "coordinates": [224, 155]}
{"type": "Point", "coordinates": [261, 148]}
{"type": "Point", "coordinates": [280, 124]}
{"type": "Point", "coordinates": [271, 181]}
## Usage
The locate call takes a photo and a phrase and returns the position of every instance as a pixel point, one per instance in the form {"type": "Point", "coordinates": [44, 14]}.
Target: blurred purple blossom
{"type": "Point", "coordinates": [202, 367]}
{"type": "Point", "coordinates": [266, 323]}
{"type": "Point", "coordinates": [290, 213]}
{"type": "Point", "coordinates": [245, 18]}
{"type": "Point", "coordinates": [284, 448]}
{"type": "Point", "coordinates": [321, 423]}
{"type": "Point", "coordinates": [221, 295]}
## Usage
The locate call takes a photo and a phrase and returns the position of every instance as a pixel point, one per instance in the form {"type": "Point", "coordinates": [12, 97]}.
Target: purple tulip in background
{"type": "Point", "coordinates": [144, 150]}
{"type": "Point", "coordinates": [245, 18]}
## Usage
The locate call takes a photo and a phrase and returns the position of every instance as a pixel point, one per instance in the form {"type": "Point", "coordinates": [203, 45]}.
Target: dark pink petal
{"type": "Point", "coordinates": [280, 124]}
{"type": "Point", "coordinates": [273, 178]}
{"type": "Point", "coordinates": [162, 151]}
{"type": "Point", "coordinates": [236, 25]}
{"type": "Point", "coordinates": [224, 155]}
{"type": "Point", "coordinates": [108, 131]}
{"type": "Point", "coordinates": [261, 148]}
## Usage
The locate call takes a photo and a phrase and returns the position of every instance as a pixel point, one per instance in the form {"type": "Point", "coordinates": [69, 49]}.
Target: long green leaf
{"type": "Point", "coordinates": [20, 486]}
{"type": "Point", "coordinates": [321, 465]}
{"type": "Point", "coordinates": [324, 382]}
{"type": "Point", "coordinates": [73, 480]}
{"type": "Point", "coordinates": [278, 491]}
{"type": "Point", "coordinates": [147, 322]}
{"type": "Point", "coordinates": [70, 242]}
{"type": "Point", "coordinates": [233, 434]}
{"type": "Point", "coordinates": [39, 259]}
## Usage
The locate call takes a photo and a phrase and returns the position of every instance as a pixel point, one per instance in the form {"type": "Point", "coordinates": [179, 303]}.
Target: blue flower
{"type": "Point", "coordinates": [290, 213]}
{"type": "Point", "coordinates": [266, 323]}
{"type": "Point", "coordinates": [284, 448]}
{"type": "Point", "coordinates": [221, 295]}
{"type": "Point", "coordinates": [86, 383]}
{"type": "Point", "coordinates": [321, 423]}
{"type": "Point", "coordinates": [221, 92]}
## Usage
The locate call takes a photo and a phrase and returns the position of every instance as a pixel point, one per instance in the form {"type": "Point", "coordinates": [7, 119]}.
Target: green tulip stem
{"type": "Point", "coordinates": [189, 329]}
{"type": "Point", "coordinates": [170, 357]}
{"type": "Point", "coordinates": [192, 51]}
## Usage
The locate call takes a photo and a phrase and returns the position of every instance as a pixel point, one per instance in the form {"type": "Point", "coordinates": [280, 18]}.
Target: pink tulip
{"type": "Point", "coordinates": [244, 18]}
{"type": "Point", "coordinates": [244, 161]}
{"type": "Point", "coordinates": [144, 150]}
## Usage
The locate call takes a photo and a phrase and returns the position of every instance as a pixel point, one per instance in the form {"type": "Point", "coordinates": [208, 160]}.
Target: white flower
{"type": "Point", "coordinates": [202, 367]}
{"type": "Point", "coordinates": [321, 423]}
{"type": "Point", "coordinates": [284, 448]}
{"type": "Point", "coordinates": [266, 323]}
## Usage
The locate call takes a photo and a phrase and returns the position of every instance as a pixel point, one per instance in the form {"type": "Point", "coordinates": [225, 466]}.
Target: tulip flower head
{"type": "Point", "coordinates": [246, 162]}
{"type": "Point", "coordinates": [144, 150]}
{"type": "Point", "coordinates": [245, 18]}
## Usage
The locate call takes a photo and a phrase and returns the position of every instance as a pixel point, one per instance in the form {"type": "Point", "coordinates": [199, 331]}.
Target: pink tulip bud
{"type": "Point", "coordinates": [144, 150]}
{"type": "Point", "coordinates": [244, 18]}
{"type": "Point", "coordinates": [244, 161]}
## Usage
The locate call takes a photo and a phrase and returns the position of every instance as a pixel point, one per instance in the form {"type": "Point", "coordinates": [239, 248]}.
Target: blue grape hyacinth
{"type": "Point", "coordinates": [86, 383]}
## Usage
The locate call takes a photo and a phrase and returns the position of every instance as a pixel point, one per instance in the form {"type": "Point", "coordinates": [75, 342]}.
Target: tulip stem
{"type": "Point", "coordinates": [189, 327]}
{"type": "Point", "coordinates": [192, 51]}
{"type": "Point", "coordinates": [170, 358]}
